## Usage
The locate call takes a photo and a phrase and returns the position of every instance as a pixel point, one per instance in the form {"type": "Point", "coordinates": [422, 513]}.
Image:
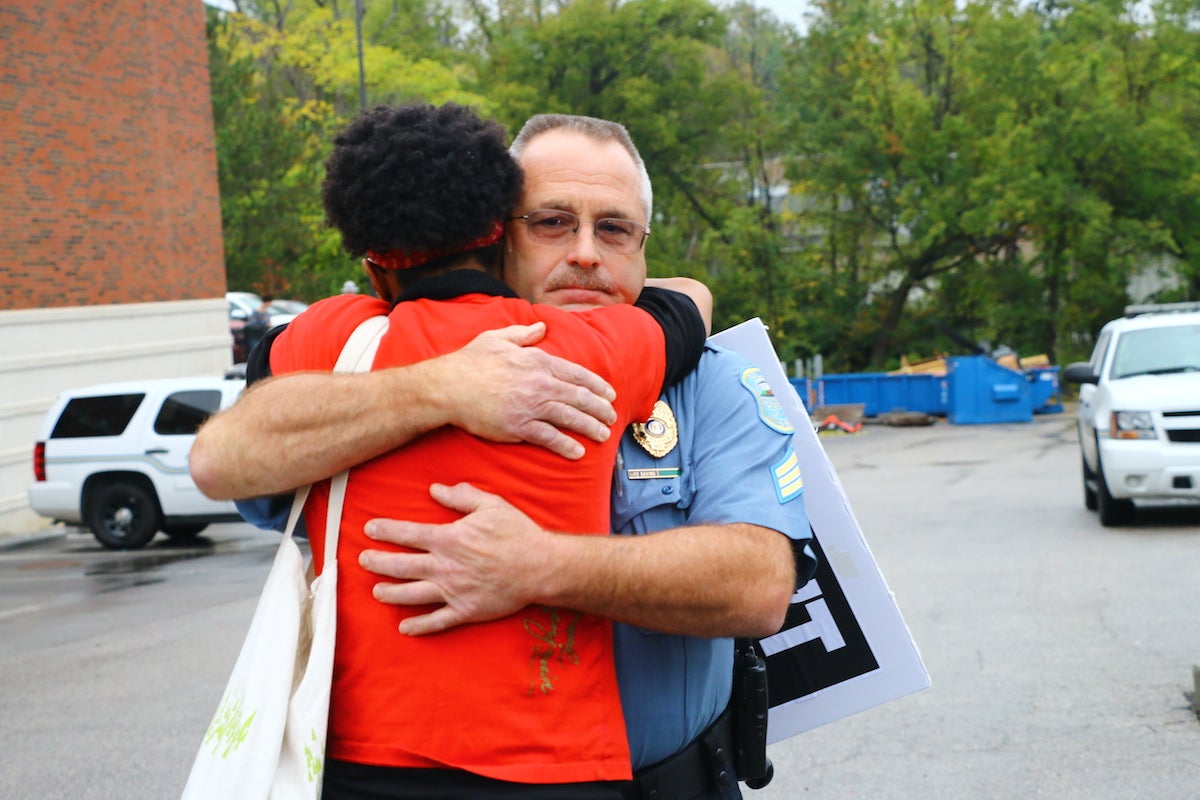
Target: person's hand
{"type": "Point", "coordinates": [472, 567]}
{"type": "Point", "coordinates": [508, 391]}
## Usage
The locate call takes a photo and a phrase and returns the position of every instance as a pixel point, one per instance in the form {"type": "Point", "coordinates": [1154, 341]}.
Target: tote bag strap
{"type": "Point", "coordinates": [358, 355]}
{"type": "Point", "coordinates": [359, 352]}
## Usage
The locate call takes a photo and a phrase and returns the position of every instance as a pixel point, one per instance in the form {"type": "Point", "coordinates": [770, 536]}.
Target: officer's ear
{"type": "Point", "coordinates": [385, 282]}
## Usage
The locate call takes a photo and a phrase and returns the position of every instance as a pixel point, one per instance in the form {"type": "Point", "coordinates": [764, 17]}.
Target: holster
{"type": "Point", "coordinates": [750, 705]}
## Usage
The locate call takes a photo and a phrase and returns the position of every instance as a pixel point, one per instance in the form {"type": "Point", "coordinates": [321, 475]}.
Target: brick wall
{"type": "Point", "coordinates": [108, 182]}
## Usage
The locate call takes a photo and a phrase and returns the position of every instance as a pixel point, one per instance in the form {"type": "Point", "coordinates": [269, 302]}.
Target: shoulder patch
{"type": "Point", "coordinates": [770, 410]}
{"type": "Point", "coordinates": [789, 482]}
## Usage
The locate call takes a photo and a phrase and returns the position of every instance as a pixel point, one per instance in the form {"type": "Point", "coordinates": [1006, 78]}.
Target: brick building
{"type": "Point", "coordinates": [111, 263]}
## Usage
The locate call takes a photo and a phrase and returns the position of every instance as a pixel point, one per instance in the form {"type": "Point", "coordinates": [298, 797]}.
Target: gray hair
{"type": "Point", "coordinates": [601, 130]}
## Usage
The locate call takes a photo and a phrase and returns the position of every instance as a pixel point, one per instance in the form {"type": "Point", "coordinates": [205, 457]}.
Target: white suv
{"type": "Point", "coordinates": [1139, 410]}
{"type": "Point", "coordinates": [114, 458]}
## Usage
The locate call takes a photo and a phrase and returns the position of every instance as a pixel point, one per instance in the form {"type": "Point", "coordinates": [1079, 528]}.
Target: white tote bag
{"type": "Point", "coordinates": [267, 738]}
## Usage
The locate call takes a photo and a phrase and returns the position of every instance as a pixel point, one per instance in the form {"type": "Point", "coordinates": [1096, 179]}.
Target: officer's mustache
{"type": "Point", "coordinates": [588, 280]}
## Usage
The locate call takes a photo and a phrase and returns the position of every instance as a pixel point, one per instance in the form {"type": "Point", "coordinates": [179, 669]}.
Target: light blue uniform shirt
{"type": "Point", "coordinates": [269, 513]}
{"type": "Point", "coordinates": [735, 463]}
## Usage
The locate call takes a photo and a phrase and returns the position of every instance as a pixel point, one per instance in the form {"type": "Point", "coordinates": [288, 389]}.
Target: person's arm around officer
{"type": "Point", "coordinates": [290, 431]}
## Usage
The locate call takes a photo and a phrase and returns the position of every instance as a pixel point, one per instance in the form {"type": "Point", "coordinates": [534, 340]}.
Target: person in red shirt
{"type": "Point", "coordinates": [525, 705]}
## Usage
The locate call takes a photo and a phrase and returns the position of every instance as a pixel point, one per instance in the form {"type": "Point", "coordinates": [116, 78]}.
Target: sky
{"type": "Point", "coordinates": [790, 11]}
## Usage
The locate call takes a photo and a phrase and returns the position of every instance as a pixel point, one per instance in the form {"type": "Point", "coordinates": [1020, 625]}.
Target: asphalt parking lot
{"type": "Point", "coordinates": [1060, 652]}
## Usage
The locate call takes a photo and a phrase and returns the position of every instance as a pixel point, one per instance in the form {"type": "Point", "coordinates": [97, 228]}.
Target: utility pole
{"type": "Point", "coordinates": [362, 76]}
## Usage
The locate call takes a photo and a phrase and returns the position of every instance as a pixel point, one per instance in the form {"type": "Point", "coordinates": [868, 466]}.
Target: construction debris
{"type": "Point", "coordinates": [926, 366]}
{"type": "Point", "coordinates": [937, 364]}
{"type": "Point", "coordinates": [905, 419]}
{"type": "Point", "coordinates": [846, 417]}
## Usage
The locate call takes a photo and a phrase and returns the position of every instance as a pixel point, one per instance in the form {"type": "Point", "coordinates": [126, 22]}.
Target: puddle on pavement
{"type": "Point", "coordinates": [135, 569]}
{"type": "Point", "coordinates": [113, 570]}
{"type": "Point", "coordinates": [126, 569]}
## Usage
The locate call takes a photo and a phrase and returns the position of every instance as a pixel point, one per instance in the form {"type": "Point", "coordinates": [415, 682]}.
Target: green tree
{"type": "Point", "coordinates": [749, 263]}
{"type": "Point", "coordinates": [285, 81]}
{"type": "Point", "coordinates": [1109, 161]}
{"type": "Point", "coordinates": [258, 147]}
{"type": "Point", "coordinates": [908, 174]}
{"type": "Point", "coordinates": [990, 167]}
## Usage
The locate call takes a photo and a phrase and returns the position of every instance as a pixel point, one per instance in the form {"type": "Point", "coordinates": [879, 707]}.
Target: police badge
{"type": "Point", "coordinates": [659, 434]}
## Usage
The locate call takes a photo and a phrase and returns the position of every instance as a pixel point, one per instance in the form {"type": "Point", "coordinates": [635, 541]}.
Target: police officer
{"type": "Point", "coordinates": [717, 450]}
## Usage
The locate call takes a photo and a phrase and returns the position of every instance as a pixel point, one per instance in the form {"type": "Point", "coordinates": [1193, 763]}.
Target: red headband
{"type": "Point", "coordinates": [398, 259]}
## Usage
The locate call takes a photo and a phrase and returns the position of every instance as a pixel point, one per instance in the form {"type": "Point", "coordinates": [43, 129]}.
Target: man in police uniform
{"type": "Point", "coordinates": [712, 476]}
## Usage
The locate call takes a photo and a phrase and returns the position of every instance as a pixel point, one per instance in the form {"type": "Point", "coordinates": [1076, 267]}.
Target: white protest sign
{"type": "Point", "coordinates": [844, 647]}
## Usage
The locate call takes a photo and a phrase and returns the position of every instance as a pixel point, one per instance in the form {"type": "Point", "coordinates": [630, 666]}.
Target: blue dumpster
{"type": "Point", "coordinates": [1047, 391]}
{"type": "Point", "coordinates": [850, 387]}
{"type": "Point", "coordinates": [983, 392]}
{"type": "Point", "coordinates": [880, 393]}
{"type": "Point", "coordinates": [923, 392]}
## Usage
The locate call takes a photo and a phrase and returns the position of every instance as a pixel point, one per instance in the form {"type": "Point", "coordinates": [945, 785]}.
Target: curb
{"type": "Point", "coordinates": [29, 540]}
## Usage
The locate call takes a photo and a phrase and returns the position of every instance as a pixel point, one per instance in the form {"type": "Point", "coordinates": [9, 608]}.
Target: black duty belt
{"type": "Point", "coordinates": [703, 766]}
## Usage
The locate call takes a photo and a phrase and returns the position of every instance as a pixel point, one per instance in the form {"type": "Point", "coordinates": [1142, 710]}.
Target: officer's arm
{"type": "Point", "coordinates": [292, 430]}
{"type": "Point", "coordinates": [702, 580]}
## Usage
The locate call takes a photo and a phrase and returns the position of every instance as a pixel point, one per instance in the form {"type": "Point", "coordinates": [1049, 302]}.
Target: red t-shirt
{"type": "Point", "coordinates": [528, 698]}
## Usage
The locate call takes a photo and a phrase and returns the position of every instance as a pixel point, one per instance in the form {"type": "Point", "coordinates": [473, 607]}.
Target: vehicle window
{"type": "Point", "coordinates": [96, 416]}
{"type": "Point", "coordinates": [1099, 352]}
{"type": "Point", "coordinates": [183, 412]}
{"type": "Point", "coordinates": [1157, 351]}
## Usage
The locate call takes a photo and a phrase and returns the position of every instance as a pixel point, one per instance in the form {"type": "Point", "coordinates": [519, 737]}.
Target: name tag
{"type": "Point", "coordinates": [650, 474]}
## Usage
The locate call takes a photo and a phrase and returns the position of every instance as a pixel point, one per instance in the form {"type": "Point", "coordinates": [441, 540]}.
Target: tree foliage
{"type": "Point", "coordinates": [901, 177]}
{"type": "Point", "coordinates": [1006, 166]}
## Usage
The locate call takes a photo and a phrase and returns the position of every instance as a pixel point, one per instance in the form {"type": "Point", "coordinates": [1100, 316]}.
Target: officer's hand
{"type": "Point", "coordinates": [474, 567]}
{"type": "Point", "coordinates": [507, 391]}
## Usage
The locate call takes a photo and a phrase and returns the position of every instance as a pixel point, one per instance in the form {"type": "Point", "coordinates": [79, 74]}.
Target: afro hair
{"type": "Point", "coordinates": [418, 178]}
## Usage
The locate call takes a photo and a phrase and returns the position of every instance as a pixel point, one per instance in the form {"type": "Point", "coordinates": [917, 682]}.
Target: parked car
{"type": "Point", "coordinates": [1139, 410]}
{"type": "Point", "coordinates": [287, 306]}
{"type": "Point", "coordinates": [242, 305]}
{"type": "Point", "coordinates": [114, 458]}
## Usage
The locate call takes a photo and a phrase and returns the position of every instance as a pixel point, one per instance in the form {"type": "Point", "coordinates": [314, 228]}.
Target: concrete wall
{"type": "Point", "coordinates": [43, 351]}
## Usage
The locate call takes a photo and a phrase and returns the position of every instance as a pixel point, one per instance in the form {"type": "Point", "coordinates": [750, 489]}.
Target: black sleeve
{"type": "Point", "coordinates": [258, 366]}
{"type": "Point", "coordinates": [683, 328]}
{"type": "Point", "coordinates": [805, 558]}
{"type": "Point", "coordinates": [258, 363]}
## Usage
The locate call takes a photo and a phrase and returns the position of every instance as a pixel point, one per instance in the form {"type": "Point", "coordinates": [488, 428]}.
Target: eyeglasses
{"type": "Point", "coordinates": [551, 226]}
